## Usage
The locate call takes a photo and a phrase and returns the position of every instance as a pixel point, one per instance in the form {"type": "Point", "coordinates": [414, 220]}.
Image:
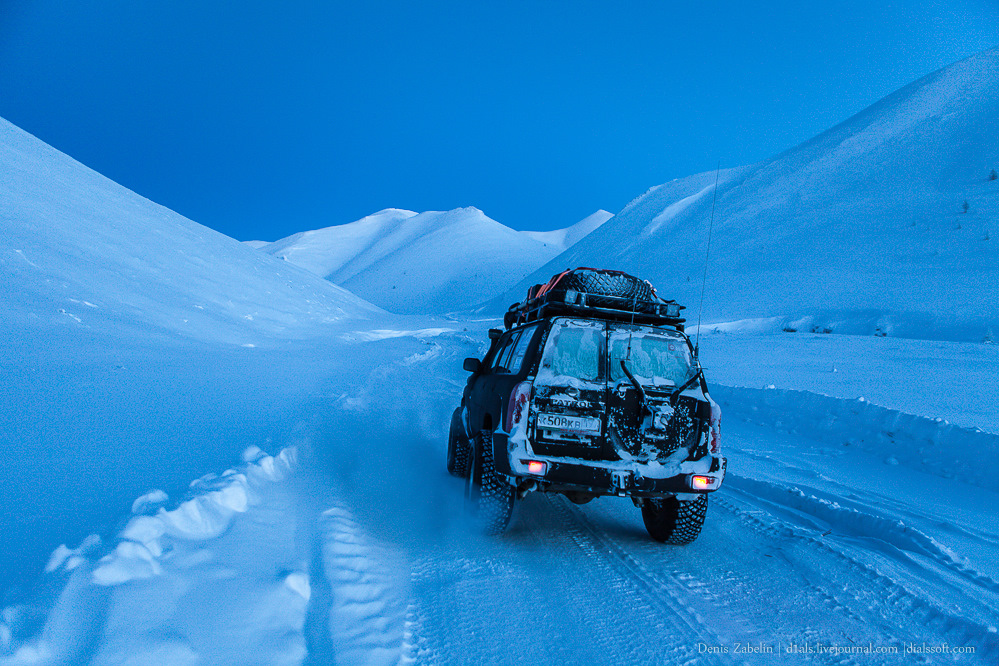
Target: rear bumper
{"type": "Point", "coordinates": [603, 478]}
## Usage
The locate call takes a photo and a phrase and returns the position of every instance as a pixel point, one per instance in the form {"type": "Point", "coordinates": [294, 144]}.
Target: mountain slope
{"type": "Point", "coordinates": [865, 219]}
{"type": "Point", "coordinates": [428, 262]}
{"type": "Point", "coordinates": [328, 251]}
{"type": "Point", "coordinates": [80, 251]}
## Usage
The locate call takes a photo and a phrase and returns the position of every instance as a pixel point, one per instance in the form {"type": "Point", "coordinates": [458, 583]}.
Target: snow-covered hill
{"type": "Point", "coordinates": [864, 225]}
{"type": "Point", "coordinates": [80, 251]}
{"type": "Point", "coordinates": [429, 262]}
{"type": "Point", "coordinates": [342, 251]}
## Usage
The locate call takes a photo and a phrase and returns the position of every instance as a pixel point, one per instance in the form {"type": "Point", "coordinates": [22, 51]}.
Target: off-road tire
{"type": "Point", "coordinates": [675, 522]}
{"type": "Point", "coordinates": [488, 496]}
{"type": "Point", "coordinates": [596, 283]}
{"type": "Point", "coordinates": [459, 454]}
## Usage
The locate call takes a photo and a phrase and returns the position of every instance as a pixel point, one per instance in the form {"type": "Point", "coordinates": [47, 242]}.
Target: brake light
{"type": "Point", "coordinates": [537, 467]}
{"type": "Point", "coordinates": [714, 443]}
{"type": "Point", "coordinates": [518, 405]}
{"type": "Point", "coordinates": [700, 482]}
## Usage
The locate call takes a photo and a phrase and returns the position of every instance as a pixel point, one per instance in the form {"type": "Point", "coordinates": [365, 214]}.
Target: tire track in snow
{"type": "Point", "coordinates": [368, 593]}
{"type": "Point", "coordinates": [644, 588]}
{"type": "Point", "coordinates": [717, 623]}
{"type": "Point", "coordinates": [862, 523]}
{"type": "Point", "coordinates": [881, 601]}
{"type": "Point", "coordinates": [784, 598]}
{"type": "Point", "coordinates": [654, 587]}
{"type": "Point", "coordinates": [553, 589]}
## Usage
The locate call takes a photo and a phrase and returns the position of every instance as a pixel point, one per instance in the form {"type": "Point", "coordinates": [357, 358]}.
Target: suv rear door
{"type": "Point", "coordinates": [643, 424]}
{"type": "Point", "coordinates": [570, 391]}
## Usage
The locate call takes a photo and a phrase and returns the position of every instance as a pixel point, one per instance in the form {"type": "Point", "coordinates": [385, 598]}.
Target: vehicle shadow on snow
{"type": "Point", "coordinates": [542, 512]}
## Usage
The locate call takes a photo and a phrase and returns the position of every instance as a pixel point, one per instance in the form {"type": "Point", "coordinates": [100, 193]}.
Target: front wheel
{"type": "Point", "coordinates": [488, 496]}
{"type": "Point", "coordinates": [673, 521]}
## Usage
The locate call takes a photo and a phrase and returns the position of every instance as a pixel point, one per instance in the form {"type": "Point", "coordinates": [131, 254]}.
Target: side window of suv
{"type": "Point", "coordinates": [509, 358]}
{"type": "Point", "coordinates": [518, 351]}
{"type": "Point", "coordinates": [502, 350]}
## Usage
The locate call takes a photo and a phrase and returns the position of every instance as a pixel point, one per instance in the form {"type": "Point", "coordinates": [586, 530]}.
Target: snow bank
{"type": "Point", "coordinates": [204, 516]}
{"type": "Point", "coordinates": [933, 446]}
{"type": "Point", "coordinates": [866, 523]}
{"type": "Point", "coordinates": [91, 591]}
{"type": "Point", "coordinates": [877, 323]}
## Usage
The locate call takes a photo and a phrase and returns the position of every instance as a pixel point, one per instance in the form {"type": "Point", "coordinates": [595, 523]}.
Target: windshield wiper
{"type": "Point", "coordinates": [642, 398]}
{"type": "Point", "coordinates": [674, 397]}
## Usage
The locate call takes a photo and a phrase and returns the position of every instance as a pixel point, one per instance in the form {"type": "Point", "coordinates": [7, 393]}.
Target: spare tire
{"type": "Point", "coordinates": [607, 283]}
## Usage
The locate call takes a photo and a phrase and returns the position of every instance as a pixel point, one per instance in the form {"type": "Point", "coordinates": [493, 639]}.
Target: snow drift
{"type": "Point", "coordinates": [928, 445]}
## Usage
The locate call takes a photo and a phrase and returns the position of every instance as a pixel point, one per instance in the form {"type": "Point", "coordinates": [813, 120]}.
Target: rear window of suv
{"type": "Point", "coordinates": [575, 348]}
{"type": "Point", "coordinates": [650, 354]}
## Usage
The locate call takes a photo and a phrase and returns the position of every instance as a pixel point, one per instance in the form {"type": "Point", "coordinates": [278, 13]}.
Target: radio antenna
{"type": "Point", "coordinates": [707, 255]}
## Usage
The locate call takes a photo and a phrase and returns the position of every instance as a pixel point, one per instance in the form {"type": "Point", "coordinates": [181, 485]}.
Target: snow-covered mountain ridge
{"type": "Point", "coordinates": [426, 262]}
{"type": "Point", "coordinates": [563, 239]}
{"type": "Point", "coordinates": [889, 216]}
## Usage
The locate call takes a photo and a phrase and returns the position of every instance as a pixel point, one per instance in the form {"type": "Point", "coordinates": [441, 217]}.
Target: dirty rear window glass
{"type": "Point", "coordinates": [575, 349]}
{"type": "Point", "coordinates": [655, 357]}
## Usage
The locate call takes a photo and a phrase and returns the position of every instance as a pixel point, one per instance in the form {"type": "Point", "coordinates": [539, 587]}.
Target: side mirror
{"type": "Point", "coordinates": [494, 333]}
{"type": "Point", "coordinates": [472, 365]}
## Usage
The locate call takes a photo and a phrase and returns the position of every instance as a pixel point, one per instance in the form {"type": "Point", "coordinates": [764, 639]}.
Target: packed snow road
{"type": "Point", "coordinates": [352, 547]}
{"type": "Point", "coordinates": [811, 545]}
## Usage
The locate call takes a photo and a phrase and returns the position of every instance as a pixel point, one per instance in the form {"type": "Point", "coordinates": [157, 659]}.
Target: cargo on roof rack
{"type": "Point", "coordinates": [600, 293]}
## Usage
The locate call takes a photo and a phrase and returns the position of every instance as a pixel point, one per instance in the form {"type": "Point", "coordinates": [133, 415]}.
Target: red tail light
{"type": "Point", "coordinates": [714, 444]}
{"type": "Point", "coordinates": [701, 482]}
{"type": "Point", "coordinates": [536, 467]}
{"type": "Point", "coordinates": [518, 405]}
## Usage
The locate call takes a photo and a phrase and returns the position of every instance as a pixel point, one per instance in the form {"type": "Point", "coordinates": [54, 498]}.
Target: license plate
{"type": "Point", "coordinates": [580, 424]}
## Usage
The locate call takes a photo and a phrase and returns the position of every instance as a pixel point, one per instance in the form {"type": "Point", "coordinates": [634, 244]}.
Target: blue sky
{"type": "Point", "coordinates": [261, 119]}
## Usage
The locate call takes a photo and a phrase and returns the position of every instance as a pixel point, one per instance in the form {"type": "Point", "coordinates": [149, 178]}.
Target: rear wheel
{"type": "Point", "coordinates": [673, 521]}
{"type": "Point", "coordinates": [487, 494]}
{"type": "Point", "coordinates": [459, 453]}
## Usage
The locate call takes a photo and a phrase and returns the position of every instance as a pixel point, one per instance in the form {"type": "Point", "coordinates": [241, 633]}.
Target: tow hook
{"type": "Point", "coordinates": [525, 487]}
{"type": "Point", "coordinates": [619, 479]}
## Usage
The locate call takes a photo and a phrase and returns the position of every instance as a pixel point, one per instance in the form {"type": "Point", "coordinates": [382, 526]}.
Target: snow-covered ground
{"type": "Point", "coordinates": [212, 456]}
{"type": "Point", "coordinates": [350, 545]}
{"type": "Point", "coordinates": [953, 381]}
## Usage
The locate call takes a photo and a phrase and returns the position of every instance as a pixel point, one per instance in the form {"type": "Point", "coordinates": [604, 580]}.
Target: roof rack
{"type": "Point", "coordinates": [571, 296]}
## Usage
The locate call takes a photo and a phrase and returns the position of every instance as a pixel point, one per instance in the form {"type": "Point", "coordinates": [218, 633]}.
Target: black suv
{"type": "Point", "coordinates": [593, 389]}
